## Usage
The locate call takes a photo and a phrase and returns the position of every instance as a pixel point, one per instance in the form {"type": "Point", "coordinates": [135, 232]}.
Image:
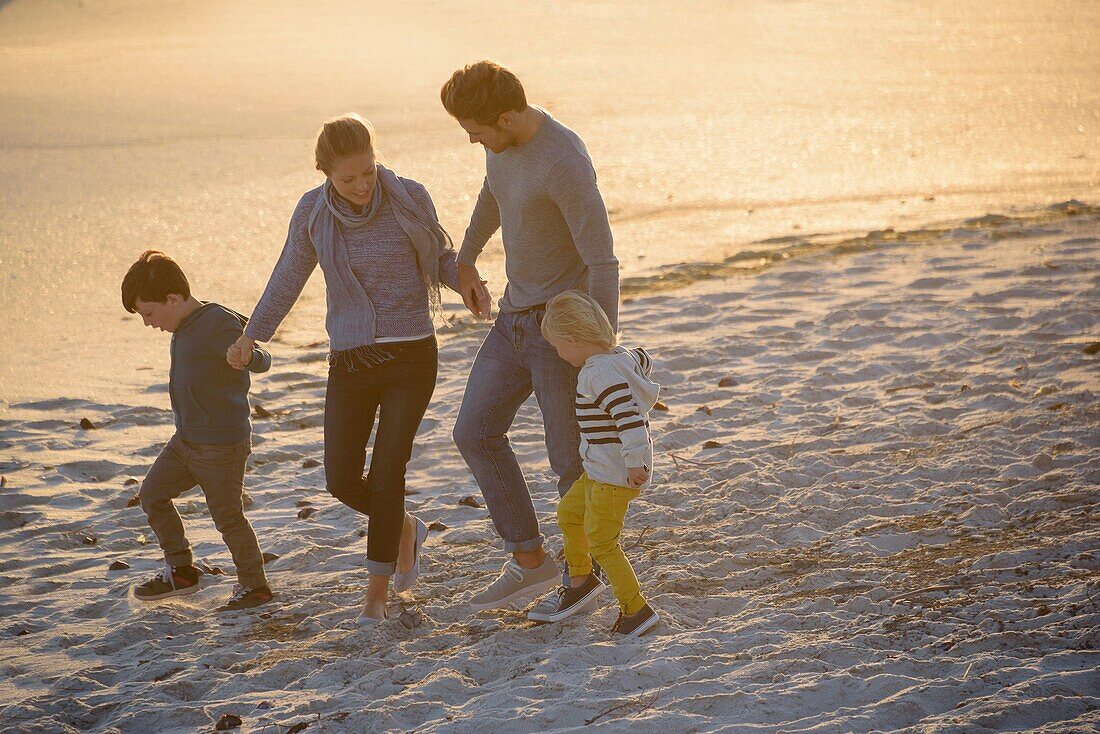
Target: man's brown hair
{"type": "Point", "coordinates": [482, 92]}
{"type": "Point", "coordinates": [151, 279]}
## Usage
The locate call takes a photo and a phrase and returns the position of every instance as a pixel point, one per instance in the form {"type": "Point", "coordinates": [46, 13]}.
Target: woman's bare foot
{"type": "Point", "coordinates": [374, 604]}
{"type": "Point", "coordinates": [406, 551]}
{"type": "Point", "coordinates": [373, 611]}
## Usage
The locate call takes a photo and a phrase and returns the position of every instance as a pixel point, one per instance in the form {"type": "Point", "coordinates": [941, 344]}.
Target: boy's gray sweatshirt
{"type": "Point", "coordinates": [614, 397]}
{"type": "Point", "coordinates": [210, 398]}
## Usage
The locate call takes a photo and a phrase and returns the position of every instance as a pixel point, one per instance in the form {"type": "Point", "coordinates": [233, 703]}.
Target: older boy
{"type": "Point", "coordinates": [213, 434]}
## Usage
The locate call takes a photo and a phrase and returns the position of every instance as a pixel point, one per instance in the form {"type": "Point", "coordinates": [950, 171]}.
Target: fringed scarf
{"type": "Point", "coordinates": [350, 313]}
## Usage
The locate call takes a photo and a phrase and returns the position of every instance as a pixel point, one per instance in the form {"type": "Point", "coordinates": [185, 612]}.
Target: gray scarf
{"type": "Point", "coordinates": [350, 312]}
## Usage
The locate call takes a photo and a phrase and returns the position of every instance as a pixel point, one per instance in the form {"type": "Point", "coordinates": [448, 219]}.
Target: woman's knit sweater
{"type": "Point", "coordinates": [382, 260]}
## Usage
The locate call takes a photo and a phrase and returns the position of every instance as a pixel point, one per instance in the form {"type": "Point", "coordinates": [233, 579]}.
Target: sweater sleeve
{"type": "Point", "coordinates": [573, 188]}
{"type": "Point", "coordinates": [448, 263]}
{"type": "Point", "coordinates": [296, 263]}
{"type": "Point", "coordinates": [612, 393]}
{"type": "Point", "coordinates": [483, 223]}
{"type": "Point", "coordinates": [228, 331]}
{"type": "Point", "coordinates": [261, 360]}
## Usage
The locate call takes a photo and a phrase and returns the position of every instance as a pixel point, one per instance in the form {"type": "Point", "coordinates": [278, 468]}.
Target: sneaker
{"type": "Point", "coordinates": [549, 605]}
{"type": "Point", "coordinates": [516, 582]}
{"type": "Point", "coordinates": [567, 601]}
{"type": "Point", "coordinates": [636, 624]}
{"type": "Point", "coordinates": [245, 598]}
{"type": "Point", "coordinates": [172, 581]}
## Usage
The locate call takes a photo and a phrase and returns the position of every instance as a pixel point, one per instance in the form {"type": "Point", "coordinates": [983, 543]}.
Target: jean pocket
{"type": "Point", "coordinates": [222, 453]}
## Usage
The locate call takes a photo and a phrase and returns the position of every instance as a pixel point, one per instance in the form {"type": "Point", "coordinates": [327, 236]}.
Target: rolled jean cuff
{"type": "Point", "coordinates": [581, 570]}
{"type": "Point", "coordinates": [179, 560]}
{"type": "Point", "coordinates": [252, 582]}
{"type": "Point", "coordinates": [524, 546]}
{"type": "Point", "coordinates": [377, 568]}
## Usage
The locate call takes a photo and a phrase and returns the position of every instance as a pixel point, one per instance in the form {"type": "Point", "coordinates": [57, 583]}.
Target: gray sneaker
{"type": "Point", "coordinates": [516, 582]}
{"type": "Point", "coordinates": [567, 601]}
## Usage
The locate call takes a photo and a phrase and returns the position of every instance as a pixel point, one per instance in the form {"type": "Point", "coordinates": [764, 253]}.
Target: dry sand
{"type": "Point", "coordinates": [875, 510]}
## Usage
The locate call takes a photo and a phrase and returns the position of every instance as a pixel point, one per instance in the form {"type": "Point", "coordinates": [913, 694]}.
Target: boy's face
{"type": "Point", "coordinates": [575, 353]}
{"type": "Point", "coordinates": [164, 316]}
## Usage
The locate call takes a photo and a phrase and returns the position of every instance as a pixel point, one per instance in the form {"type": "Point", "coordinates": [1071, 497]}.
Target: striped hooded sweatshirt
{"type": "Point", "coordinates": [614, 397]}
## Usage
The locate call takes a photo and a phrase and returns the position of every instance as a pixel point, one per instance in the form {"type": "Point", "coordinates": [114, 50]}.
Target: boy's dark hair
{"type": "Point", "coordinates": [482, 92]}
{"type": "Point", "coordinates": [151, 279]}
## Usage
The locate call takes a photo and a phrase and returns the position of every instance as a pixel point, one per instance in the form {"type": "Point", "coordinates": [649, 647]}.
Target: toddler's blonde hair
{"type": "Point", "coordinates": [573, 316]}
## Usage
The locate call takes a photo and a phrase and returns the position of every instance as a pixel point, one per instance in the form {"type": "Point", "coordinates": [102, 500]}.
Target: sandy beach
{"type": "Point", "coordinates": [874, 311]}
{"type": "Point", "coordinates": [875, 510]}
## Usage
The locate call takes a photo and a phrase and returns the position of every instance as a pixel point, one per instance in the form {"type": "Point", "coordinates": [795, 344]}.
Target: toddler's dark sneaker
{"type": "Point", "coordinates": [636, 624]}
{"type": "Point", "coordinates": [172, 581]}
{"type": "Point", "coordinates": [245, 598]}
{"type": "Point", "coordinates": [567, 601]}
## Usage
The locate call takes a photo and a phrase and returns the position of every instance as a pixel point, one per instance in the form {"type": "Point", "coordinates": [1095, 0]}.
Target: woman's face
{"type": "Point", "coordinates": [355, 177]}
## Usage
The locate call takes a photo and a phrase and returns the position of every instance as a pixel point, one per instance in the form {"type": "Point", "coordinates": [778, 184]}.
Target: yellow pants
{"type": "Point", "coordinates": [590, 516]}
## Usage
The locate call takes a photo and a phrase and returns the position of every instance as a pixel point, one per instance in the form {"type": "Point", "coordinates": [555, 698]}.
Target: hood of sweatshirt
{"type": "Point", "coordinates": [208, 307]}
{"type": "Point", "coordinates": [637, 366]}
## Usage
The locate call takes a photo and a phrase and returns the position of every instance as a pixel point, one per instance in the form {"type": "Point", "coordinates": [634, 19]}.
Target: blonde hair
{"type": "Point", "coordinates": [573, 316]}
{"type": "Point", "coordinates": [340, 138]}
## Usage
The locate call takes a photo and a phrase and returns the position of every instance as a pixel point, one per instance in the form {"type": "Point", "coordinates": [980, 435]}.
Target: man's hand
{"type": "Point", "coordinates": [637, 475]}
{"type": "Point", "coordinates": [239, 354]}
{"type": "Point", "coordinates": [474, 293]}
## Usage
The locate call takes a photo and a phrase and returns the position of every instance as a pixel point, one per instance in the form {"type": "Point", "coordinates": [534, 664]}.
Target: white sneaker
{"type": "Point", "coordinates": [516, 582]}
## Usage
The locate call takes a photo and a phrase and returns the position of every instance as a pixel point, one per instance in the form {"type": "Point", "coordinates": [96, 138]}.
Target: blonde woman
{"type": "Point", "coordinates": [384, 255]}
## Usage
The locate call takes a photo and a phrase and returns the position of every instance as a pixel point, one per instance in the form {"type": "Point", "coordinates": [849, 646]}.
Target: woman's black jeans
{"type": "Point", "coordinates": [396, 382]}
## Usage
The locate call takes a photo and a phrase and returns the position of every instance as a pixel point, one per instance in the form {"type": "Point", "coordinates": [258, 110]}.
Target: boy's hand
{"type": "Point", "coordinates": [637, 475]}
{"type": "Point", "coordinates": [474, 293]}
{"type": "Point", "coordinates": [239, 354]}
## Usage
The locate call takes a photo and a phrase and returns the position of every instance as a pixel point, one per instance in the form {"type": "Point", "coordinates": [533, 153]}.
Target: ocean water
{"type": "Point", "coordinates": [721, 132]}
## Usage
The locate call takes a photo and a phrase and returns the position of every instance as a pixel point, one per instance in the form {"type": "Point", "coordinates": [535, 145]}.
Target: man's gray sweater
{"type": "Point", "coordinates": [543, 196]}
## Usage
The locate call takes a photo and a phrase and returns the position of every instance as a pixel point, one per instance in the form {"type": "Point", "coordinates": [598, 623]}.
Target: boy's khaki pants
{"type": "Point", "coordinates": [591, 519]}
{"type": "Point", "coordinates": [219, 470]}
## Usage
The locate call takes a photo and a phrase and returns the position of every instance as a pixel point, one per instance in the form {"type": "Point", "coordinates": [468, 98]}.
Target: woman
{"type": "Point", "coordinates": [383, 254]}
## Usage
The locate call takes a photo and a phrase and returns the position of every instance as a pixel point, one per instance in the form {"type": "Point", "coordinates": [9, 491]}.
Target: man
{"type": "Point", "coordinates": [540, 190]}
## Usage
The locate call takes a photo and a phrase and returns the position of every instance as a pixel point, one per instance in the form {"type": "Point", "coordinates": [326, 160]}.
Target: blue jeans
{"type": "Point", "coordinates": [515, 361]}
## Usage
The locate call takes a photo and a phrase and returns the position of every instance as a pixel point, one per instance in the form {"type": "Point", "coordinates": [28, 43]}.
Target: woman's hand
{"type": "Point", "coordinates": [473, 291]}
{"type": "Point", "coordinates": [239, 354]}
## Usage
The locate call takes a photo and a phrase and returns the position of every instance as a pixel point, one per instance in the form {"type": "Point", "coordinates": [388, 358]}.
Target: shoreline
{"type": "Point", "coordinates": [304, 328]}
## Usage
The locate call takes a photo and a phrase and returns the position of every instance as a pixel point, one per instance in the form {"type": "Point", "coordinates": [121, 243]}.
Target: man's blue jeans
{"type": "Point", "coordinates": [515, 361]}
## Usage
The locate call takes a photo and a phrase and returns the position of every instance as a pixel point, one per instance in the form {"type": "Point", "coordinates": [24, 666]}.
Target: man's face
{"type": "Point", "coordinates": [496, 139]}
{"type": "Point", "coordinates": [164, 316]}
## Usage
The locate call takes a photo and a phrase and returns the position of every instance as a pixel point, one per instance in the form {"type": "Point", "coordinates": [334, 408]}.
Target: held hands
{"type": "Point", "coordinates": [474, 293]}
{"type": "Point", "coordinates": [239, 354]}
{"type": "Point", "coordinates": [637, 475]}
